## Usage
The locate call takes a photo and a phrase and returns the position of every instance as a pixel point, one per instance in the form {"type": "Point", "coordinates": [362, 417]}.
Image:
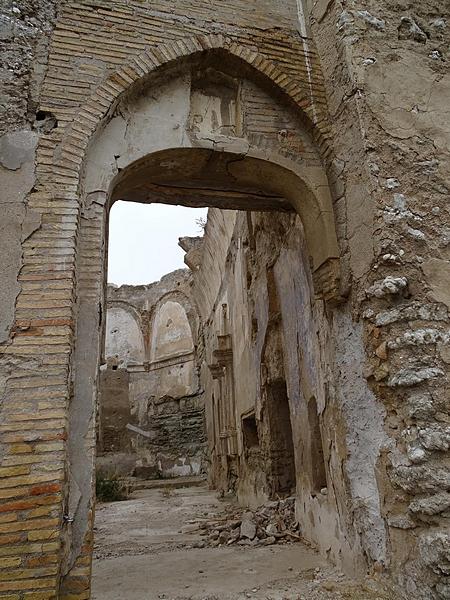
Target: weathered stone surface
{"type": "Point", "coordinates": [410, 376]}
{"type": "Point", "coordinates": [271, 529]}
{"type": "Point", "coordinates": [371, 19]}
{"type": "Point", "coordinates": [421, 406]}
{"type": "Point", "coordinates": [435, 551]}
{"type": "Point", "coordinates": [421, 479]}
{"type": "Point", "coordinates": [401, 522]}
{"type": "Point", "coordinates": [193, 246]}
{"type": "Point", "coordinates": [248, 526]}
{"type": "Point", "coordinates": [389, 285]}
{"type": "Point", "coordinates": [409, 29]}
{"type": "Point", "coordinates": [415, 311]}
{"type": "Point", "coordinates": [435, 438]}
{"type": "Point", "coordinates": [25, 28]}
{"type": "Point", "coordinates": [432, 505]}
{"type": "Point", "coordinates": [443, 589]}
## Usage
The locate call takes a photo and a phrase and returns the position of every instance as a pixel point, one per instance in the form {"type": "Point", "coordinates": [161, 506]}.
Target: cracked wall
{"type": "Point", "coordinates": [17, 155]}
{"type": "Point", "coordinates": [24, 37]}
{"type": "Point", "coordinates": [385, 70]}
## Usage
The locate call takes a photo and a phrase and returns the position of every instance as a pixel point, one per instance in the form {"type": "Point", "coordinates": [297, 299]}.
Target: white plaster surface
{"type": "Point", "coordinates": [124, 340]}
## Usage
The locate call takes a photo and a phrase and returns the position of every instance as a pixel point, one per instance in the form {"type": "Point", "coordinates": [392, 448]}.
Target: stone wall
{"type": "Point", "coordinates": [151, 410]}
{"type": "Point", "coordinates": [336, 109]}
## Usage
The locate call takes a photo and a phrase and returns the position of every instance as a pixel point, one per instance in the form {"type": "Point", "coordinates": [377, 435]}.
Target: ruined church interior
{"type": "Point", "coordinates": [268, 417]}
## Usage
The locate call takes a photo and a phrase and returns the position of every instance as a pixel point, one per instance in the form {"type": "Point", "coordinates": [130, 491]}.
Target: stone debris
{"type": "Point", "coordinates": [409, 29]}
{"type": "Point", "coordinates": [272, 523]}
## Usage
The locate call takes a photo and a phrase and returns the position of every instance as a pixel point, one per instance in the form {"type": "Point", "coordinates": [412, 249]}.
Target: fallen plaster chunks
{"type": "Point", "coordinates": [248, 526]}
{"type": "Point", "coordinates": [272, 523]}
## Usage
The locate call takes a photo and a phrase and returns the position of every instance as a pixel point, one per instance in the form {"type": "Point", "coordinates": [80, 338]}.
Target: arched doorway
{"type": "Point", "coordinates": [218, 158]}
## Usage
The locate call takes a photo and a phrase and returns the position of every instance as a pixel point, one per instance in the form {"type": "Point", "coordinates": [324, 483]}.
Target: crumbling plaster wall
{"type": "Point", "coordinates": [316, 363]}
{"type": "Point", "coordinates": [387, 80]}
{"type": "Point", "coordinates": [114, 414]}
{"type": "Point", "coordinates": [124, 340]}
{"type": "Point", "coordinates": [25, 27]}
{"type": "Point", "coordinates": [171, 332]}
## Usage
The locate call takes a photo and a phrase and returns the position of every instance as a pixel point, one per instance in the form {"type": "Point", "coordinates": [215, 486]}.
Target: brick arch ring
{"type": "Point", "coordinates": [110, 91]}
{"type": "Point", "coordinates": [69, 161]}
{"type": "Point", "coordinates": [128, 308]}
{"type": "Point", "coordinates": [70, 157]}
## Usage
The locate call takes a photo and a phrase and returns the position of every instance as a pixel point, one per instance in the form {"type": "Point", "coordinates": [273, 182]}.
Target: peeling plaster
{"type": "Point", "coordinates": [17, 223]}
{"type": "Point", "coordinates": [365, 434]}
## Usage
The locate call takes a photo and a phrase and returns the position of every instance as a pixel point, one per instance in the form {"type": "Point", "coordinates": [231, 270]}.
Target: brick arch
{"type": "Point", "coordinates": [69, 162]}
{"type": "Point", "coordinates": [126, 307]}
{"type": "Point", "coordinates": [109, 92]}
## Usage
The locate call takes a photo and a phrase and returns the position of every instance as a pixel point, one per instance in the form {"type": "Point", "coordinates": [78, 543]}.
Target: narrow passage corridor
{"type": "Point", "coordinates": [151, 547]}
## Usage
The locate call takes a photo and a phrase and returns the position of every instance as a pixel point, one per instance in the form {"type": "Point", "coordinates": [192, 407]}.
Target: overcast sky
{"type": "Point", "coordinates": [143, 240]}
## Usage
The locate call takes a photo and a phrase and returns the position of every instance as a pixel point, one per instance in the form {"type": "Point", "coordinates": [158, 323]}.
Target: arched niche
{"type": "Point", "coordinates": [124, 341]}
{"type": "Point", "coordinates": [171, 332]}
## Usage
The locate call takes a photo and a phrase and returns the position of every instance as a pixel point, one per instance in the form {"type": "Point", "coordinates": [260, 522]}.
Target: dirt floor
{"type": "Point", "coordinates": [149, 548]}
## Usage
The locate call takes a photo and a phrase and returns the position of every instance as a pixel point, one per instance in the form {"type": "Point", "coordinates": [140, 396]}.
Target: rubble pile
{"type": "Point", "coordinates": [272, 523]}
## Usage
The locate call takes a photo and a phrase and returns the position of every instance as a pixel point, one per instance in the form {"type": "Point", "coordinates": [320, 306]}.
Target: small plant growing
{"type": "Point", "coordinates": [201, 224]}
{"type": "Point", "coordinates": [167, 492]}
{"type": "Point", "coordinates": [109, 488]}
